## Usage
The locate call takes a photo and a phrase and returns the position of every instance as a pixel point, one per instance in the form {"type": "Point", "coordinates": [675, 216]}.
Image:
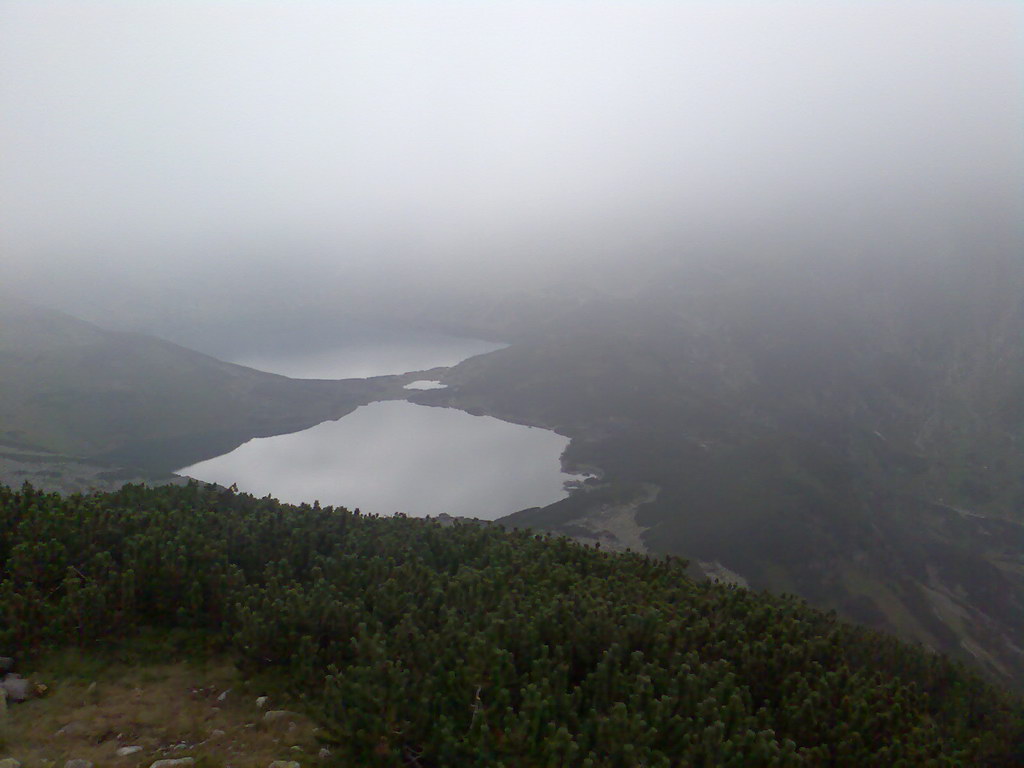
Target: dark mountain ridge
{"type": "Point", "coordinates": [70, 387]}
{"type": "Point", "coordinates": [850, 436]}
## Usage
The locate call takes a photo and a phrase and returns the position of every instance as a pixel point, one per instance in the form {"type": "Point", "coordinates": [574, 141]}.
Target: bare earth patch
{"type": "Point", "coordinates": [614, 526]}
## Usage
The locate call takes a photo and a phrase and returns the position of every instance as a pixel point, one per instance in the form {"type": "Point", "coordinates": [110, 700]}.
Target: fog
{"type": "Point", "coordinates": [205, 158]}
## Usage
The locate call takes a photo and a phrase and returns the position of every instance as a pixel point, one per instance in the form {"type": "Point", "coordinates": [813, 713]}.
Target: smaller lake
{"type": "Point", "coordinates": [425, 384]}
{"type": "Point", "coordinates": [396, 456]}
{"type": "Point", "coordinates": [370, 352]}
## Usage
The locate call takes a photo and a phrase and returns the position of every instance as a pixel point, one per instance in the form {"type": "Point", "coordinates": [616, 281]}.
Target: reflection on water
{"type": "Point", "coordinates": [399, 457]}
{"type": "Point", "coordinates": [366, 355]}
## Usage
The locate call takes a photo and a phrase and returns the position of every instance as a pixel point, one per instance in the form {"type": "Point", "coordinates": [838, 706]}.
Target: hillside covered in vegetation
{"type": "Point", "coordinates": [131, 400]}
{"type": "Point", "coordinates": [425, 645]}
{"type": "Point", "coordinates": [852, 436]}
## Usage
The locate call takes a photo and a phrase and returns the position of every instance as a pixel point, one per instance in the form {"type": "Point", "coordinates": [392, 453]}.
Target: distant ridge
{"type": "Point", "coordinates": [71, 387]}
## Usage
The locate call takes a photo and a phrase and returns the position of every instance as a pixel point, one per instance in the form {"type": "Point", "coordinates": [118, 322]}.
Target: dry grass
{"type": "Point", "coordinates": [170, 710]}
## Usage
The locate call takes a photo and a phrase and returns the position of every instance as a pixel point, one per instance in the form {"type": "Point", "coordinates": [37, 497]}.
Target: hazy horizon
{"type": "Point", "coordinates": [170, 158]}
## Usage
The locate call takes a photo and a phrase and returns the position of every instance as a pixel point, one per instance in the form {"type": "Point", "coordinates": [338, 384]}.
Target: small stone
{"type": "Point", "coordinates": [261, 702]}
{"type": "Point", "coordinates": [178, 762]}
{"type": "Point", "coordinates": [9, 762]}
{"type": "Point", "coordinates": [125, 751]}
{"type": "Point", "coordinates": [78, 762]}
{"type": "Point", "coordinates": [324, 753]}
{"type": "Point", "coordinates": [73, 729]}
{"type": "Point", "coordinates": [224, 696]}
{"type": "Point", "coordinates": [284, 764]}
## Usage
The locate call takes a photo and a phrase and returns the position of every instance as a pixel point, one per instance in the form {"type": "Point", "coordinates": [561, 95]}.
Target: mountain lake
{"type": "Point", "coordinates": [395, 456]}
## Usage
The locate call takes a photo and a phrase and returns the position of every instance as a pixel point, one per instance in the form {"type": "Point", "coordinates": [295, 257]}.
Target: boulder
{"type": "Point", "coordinates": [18, 688]}
{"type": "Point", "coordinates": [280, 717]}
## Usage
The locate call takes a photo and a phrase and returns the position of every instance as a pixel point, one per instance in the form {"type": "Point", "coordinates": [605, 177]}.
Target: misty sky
{"type": "Point", "coordinates": [277, 145]}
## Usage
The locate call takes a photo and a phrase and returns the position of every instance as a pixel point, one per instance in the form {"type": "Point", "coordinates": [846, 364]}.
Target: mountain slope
{"type": "Point", "coordinates": [857, 442]}
{"type": "Point", "coordinates": [70, 387]}
{"type": "Point", "coordinates": [417, 643]}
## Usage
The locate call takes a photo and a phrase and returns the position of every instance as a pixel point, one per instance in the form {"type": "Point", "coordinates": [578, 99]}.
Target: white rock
{"type": "Point", "coordinates": [178, 762]}
{"type": "Point", "coordinates": [279, 717]}
{"type": "Point", "coordinates": [324, 753]}
{"type": "Point", "coordinates": [18, 688]}
{"type": "Point", "coordinates": [224, 696]}
{"type": "Point", "coordinates": [125, 751]}
{"type": "Point", "coordinates": [261, 702]}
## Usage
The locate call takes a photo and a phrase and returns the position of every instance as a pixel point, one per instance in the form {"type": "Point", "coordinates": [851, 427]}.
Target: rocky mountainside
{"type": "Point", "coordinates": [855, 440]}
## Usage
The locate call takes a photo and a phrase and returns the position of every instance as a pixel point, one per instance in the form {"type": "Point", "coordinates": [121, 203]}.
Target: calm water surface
{"type": "Point", "coordinates": [391, 456]}
{"type": "Point", "coordinates": [425, 384]}
{"type": "Point", "coordinates": [399, 457]}
{"type": "Point", "coordinates": [368, 352]}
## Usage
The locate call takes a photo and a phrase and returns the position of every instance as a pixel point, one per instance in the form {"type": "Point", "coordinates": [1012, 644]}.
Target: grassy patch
{"type": "Point", "coordinates": [97, 703]}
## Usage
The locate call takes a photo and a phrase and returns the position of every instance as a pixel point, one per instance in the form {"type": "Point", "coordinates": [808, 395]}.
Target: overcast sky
{"type": "Point", "coordinates": [187, 142]}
